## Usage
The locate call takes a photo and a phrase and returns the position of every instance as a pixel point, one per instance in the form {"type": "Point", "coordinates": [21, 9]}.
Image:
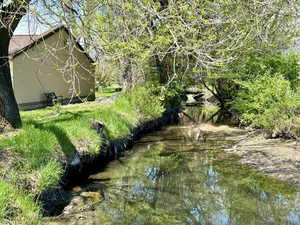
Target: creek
{"type": "Point", "coordinates": [182, 175]}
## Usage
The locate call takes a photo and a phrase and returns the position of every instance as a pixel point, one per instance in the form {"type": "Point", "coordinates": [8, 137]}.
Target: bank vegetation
{"type": "Point", "coordinates": [154, 49]}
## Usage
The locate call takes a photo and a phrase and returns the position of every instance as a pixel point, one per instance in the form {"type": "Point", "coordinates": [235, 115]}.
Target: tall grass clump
{"type": "Point", "coordinates": [35, 145]}
{"type": "Point", "coordinates": [17, 207]}
{"type": "Point", "coordinates": [269, 102]}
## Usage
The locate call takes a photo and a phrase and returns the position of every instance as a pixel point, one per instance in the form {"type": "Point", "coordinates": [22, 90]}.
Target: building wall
{"type": "Point", "coordinates": [43, 69]}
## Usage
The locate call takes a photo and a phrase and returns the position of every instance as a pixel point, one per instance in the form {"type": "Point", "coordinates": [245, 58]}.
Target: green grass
{"type": "Point", "coordinates": [48, 138]}
{"type": "Point", "coordinates": [106, 91]}
{"type": "Point", "coordinates": [16, 207]}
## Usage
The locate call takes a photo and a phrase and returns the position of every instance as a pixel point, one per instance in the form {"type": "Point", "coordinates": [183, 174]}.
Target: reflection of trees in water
{"type": "Point", "coordinates": [195, 188]}
{"type": "Point", "coordinates": [198, 114]}
{"type": "Point", "coordinates": [210, 114]}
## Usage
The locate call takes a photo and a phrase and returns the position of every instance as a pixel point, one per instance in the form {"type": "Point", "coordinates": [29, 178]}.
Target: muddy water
{"type": "Point", "coordinates": [182, 175]}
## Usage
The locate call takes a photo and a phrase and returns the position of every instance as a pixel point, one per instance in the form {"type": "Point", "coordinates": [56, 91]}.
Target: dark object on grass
{"type": "Point", "coordinates": [52, 99]}
{"type": "Point", "coordinates": [98, 126]}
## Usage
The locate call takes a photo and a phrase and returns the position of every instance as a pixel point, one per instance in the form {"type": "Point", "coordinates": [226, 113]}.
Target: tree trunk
{"type": "Point", "coordinates": [8, 103]}
{"type": "Point", "coordinates": [162, 70]}
{"type": "Point", "coordinates": [127, 75]}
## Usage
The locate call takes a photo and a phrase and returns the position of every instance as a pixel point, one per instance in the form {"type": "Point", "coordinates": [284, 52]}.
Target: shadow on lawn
{"type": "Point", "coordinates": [64, 141]}
{"type": "Point", "coordinates": [56, 196]}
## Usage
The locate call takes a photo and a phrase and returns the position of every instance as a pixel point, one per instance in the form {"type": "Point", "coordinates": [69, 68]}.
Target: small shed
{"type": "Point", "coordinates": [48, 63]}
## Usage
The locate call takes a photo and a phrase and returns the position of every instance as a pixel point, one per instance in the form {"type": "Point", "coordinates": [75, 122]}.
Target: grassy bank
{"type": "Point", "coordinates": [31, 159]}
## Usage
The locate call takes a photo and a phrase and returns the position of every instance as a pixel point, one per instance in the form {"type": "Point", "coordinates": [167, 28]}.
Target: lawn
{"type": "Point", "coordinates": [31, 159]}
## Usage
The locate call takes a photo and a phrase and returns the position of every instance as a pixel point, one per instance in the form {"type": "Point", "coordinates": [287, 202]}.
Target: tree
{"type": "Point", "coordinates": [11, 12]}
{"type": "Point", "coordinates": [185, 41]}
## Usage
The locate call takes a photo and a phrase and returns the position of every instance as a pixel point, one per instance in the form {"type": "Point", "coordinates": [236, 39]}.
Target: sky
{"type": "Point", "coordinates": [29, 25]}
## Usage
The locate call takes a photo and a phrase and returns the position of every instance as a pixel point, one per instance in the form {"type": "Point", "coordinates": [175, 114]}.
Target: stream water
{"type": "Point", "coordinates": [182, 175]}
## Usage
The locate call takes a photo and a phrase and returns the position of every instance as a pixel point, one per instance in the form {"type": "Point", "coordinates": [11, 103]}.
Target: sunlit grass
{"type": "Point", "coordinates": [53, 135]}
{"type": "Point", "coordinates": [17, 207]}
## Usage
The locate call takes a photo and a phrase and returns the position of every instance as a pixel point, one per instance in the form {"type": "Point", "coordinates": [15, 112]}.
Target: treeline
{"type": "Point", "coordinates": [235, 49]}
{"type": "Point", "coordinates": [176, 44]}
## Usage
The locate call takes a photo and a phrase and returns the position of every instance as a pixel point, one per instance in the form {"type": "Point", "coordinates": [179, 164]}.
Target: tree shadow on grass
{"type": "Point", "coordinates": [66, 116]}
{"type": "Point", "coordinates": [54, 200]}
{"type": "Point", "coordinates": [67, 147]}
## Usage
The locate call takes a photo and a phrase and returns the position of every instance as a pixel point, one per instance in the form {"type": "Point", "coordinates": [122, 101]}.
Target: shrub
{"type": "Point", "coordinates": [270, 103]}
{"type": "Point", "coordinates": [285, 64]}
{"type": "Point", "coordinates": [226, 84]}
{"type": "Point", "coordinates": [142, 100]}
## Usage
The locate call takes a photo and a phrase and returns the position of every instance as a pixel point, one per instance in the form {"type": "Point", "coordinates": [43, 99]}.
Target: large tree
{"type": "Point", "coordinates": [11, 12]}
{"type": "Point", "coordinates": [179, 40]}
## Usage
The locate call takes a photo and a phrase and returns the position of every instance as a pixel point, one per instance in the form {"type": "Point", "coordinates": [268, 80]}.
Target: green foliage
{"type": "Point", "coordinates": [168, 39]}
{"type": "Point", "coordinates": [268, 102]}
{"type": "Point", "coordinates": [49, 175]}
{"type": "Point", "coordinates": [225, 83]}
{"type": "Point", "coordinates": [172, 94]}
{"type": "Point", "coordinates": [284, 64]}
{"type": "Point", "coordinates": [143, 101]}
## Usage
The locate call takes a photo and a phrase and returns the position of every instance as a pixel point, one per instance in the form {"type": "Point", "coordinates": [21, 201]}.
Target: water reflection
{"type": "Point", "coordinates": [194, 184]}
{"type": "Point", "coordinates": [181, 175]}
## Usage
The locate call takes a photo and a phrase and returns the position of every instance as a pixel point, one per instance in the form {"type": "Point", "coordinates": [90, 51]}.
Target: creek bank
{"type": "Point", "coordinates": [81, 166]}
{"type": "Point", "coordinates": [171, 172]}
{"type": "Point", "coordinates": [279, 158]}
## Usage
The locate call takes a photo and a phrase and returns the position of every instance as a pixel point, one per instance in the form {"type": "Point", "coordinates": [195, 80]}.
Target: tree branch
{"type": "Point", "coordinates": [13, 13]}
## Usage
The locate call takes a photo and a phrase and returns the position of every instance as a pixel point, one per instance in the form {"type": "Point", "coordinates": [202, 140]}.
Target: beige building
{"type": "Point", "coordinates": [48, 63]}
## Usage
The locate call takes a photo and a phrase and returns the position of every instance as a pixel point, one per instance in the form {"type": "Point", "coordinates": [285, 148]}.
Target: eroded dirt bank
{"type": "Point", "coordinates": [56, 199]}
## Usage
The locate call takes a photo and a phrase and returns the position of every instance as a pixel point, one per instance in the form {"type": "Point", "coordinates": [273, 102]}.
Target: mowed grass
{"type": "Point", "coordinates": [31, 159]}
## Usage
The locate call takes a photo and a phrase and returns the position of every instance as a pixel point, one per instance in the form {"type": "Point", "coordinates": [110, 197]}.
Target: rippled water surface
{"type": "Point", "coordinates": [181, 175]}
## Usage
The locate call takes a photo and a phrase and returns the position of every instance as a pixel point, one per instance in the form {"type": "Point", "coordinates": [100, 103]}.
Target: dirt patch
{"type": "Point", "coordinates": [278, 158]}
{"type": "Point", "coordinates": [220, 128]}
{"type": "Point", "coordinates": [6, 160]}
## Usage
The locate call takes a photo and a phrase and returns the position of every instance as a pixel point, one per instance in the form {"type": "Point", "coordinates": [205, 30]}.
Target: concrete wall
{"type": "Point", "coordinates": [43, 69]}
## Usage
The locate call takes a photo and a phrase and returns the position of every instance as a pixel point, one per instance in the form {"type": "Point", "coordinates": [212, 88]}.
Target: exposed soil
{"type": "Point", "coordinates": [278, 158]}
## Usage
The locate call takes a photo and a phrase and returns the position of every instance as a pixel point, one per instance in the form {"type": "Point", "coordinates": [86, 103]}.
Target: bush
{"type": "Point", "coordinates": [270, 103]}
{"type": "Point", "coordinates": [143, 101]}
{"type": "Point", "coordinates": [226, 84]}
{"type": "Point", "coordinates": [285, 64]}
